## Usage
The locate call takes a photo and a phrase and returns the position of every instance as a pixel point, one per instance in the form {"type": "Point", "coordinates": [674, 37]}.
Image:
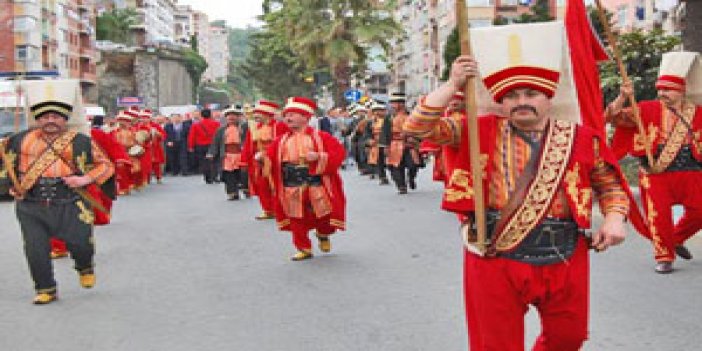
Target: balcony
{"type": "Point", "coordinates": [83, 5]}
{"type": "Point", "coordinates": [88, 77]}
{"type": "Point", "coordinates": [87, 53]}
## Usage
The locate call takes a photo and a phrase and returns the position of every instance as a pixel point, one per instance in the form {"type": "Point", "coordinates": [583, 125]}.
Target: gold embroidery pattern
{"type": "Point", "coordinates": [82, 162]}
{"type": "Point", "coordinates": [581, 197]}
{"type": "Point", "coordinates": [676, 140]}
{"type": "Point", "coordinates": [11, 157]}
{"type": "Point", "coordinates": [46, 160]}
{"type": "Point", "coordinates": [86, 215]}
{"type": "Point", "coordinates": [460, 186]}
{"type": "Point", "coordinates": [639, 144]}
{"type": "Point", "coordinates": [551, 169]}
{"type": "Point", "coordinates": [651, 215]}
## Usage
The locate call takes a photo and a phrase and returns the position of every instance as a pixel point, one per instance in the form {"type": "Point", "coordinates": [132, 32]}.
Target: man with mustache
{"type": "Point", "coordinates": [540, 175]}
{"type": "Point", "coordinates": [305, 170]}
{"type": "Point", "coordinates": [673, 127]}
{"type": "Point", "coordinates": [50, 161]}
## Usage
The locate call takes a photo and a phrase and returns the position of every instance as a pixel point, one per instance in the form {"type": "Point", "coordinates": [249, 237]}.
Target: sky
{"type": "Point", "coordinates": [237, 13]}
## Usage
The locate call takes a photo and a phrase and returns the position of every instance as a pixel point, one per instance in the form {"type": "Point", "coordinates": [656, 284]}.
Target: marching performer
{"type": "Point", "coordinates": [226, 147]}
{"type": "Point", "coordinates": [673, 127]}
{"type": "Point", "coordinates": [258, 139]}
{"type": "Point", "coordinates": [403, 157]}
{"type": "Point", "coordinates": [50, 166]}
{"type": "Point", "coordinates": [308, 189]}
{"type": "Point", "coordinates": [378, 129]}
{"type": "Point", "coordinates": [125, 134]}
{"type": "Point", "coordinates": [541, 174]}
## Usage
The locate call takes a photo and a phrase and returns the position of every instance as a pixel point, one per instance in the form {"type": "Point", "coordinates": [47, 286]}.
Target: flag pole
{"type": "Point", "coordinates": [473, 133]}
{"type": "Point", "coordinates": [625, 79]}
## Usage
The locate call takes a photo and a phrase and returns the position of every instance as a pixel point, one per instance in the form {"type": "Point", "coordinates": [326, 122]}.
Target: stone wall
{"type": "Point", "coordinates": [159, 79]}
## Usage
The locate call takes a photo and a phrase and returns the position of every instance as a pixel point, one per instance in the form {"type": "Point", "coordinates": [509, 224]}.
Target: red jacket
{"type": "Point", "coordinates": [202, 133]}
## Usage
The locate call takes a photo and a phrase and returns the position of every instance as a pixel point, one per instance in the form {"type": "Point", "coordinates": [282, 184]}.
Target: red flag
{"type": "Point", "coordinates": [586, 49]}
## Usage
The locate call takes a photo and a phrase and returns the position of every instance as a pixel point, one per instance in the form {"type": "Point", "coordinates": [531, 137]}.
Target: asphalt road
{"type": "Point", "coordinates": [183, 269]}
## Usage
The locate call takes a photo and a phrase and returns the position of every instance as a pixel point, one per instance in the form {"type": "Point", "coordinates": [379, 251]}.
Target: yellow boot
{"type": "Point", "coordinates": [324, 243]}
{"type": "Point", "coordinates": [58, 254]}
{"type": "Point", "coordinates": [44, 298]}
{"type": "Point", "coordinates": [302, 255]}
{"type": "Point", "coordinates": [264, 216]}
{"type": "Point", "coordinates": [87, 280]}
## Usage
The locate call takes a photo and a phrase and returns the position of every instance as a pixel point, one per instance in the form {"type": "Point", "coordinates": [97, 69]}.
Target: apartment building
{"type": "Point", "coordinates": [417, 59]}
{"type": "Point", "coordinates": [218, 53]}
{"type": "Point", "coordinates": [201, 30]}
{"type": "Point", "coordinates": [645, 14]}
{"type": "Point", "coordinates": [155, 22]}
{"type": "Point", "coordinates": [183, 25]}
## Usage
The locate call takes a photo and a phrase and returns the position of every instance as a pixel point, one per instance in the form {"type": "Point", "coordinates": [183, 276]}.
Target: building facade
{"type": "Point", "coordinates": [155, 21]}
{"type": "Point", "coordinates": [218, 54]}
{"type": "Point", "coordinates": [50, 35]}
{"type": "Point", "coordinates": [645, 14]}
{"type": "Point", "coordinates": [417, 58]}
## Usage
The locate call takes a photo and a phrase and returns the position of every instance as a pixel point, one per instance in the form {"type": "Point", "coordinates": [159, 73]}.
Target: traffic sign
{"type": "Point", "coordinates": [352, 95]}
{"type": "Point", "coordinates": [130, 101]}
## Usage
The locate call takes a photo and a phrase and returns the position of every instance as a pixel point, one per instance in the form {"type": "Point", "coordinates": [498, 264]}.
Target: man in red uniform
{"type": "Point", "coordinates": [125, 134]}
{"type": "Point", "coordinates": [158, 135]}
{"type": "Point", "coordinates": [258, 139]}
{"type": "Point", "coordinates": [455, 110]}
{"type": "Point", "coordinates": [199, 141]}
{"type": "Point", "coordinates": [540, 177]}
{"type": "Point", "coordinates": [308, 189]}
{"type": "Point", "coordinates": [673, 126]}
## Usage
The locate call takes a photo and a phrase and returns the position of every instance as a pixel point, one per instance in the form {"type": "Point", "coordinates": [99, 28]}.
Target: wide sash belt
{"type": "Point", "coordinates": [552, 241]}
{"type": "Point", "coordinates": [51, 191]}
{"type": "Point", "coordinates": [297, 176]}
{"type": "Point", "coordinates": [683, 161]}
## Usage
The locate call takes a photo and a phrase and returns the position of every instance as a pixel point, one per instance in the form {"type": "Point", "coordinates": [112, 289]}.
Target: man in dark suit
{"type": "Point", "coordinates": [325, 122]}
{"type": "Point", "coordinates": [176, 145]}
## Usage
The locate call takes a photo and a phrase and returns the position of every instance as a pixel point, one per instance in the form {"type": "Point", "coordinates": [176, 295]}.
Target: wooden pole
{"type": "Point", "coordinates": [473, 132]}
{"type": "Point", "coordinates": [625, 80]}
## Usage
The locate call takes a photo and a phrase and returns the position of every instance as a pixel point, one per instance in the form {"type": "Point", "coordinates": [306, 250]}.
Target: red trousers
{"type": "Point", "coordinates": [157, 170]}
{"type": "Point", "coordinates": [124, 179]}
{"type": "Point", "coordinates": [262, 189]}
{"type": "Point", "coordinates": [499, 291]}
{"type": "Point", "coordinates": [659, 192]}
{"type": "Point", "coordinates": [300, 228]}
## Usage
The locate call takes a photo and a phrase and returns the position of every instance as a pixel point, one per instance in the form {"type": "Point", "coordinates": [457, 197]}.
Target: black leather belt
{"type": "Point", "coordinates": [296, 176]}
{"type": "Point", "coordinates": [51, 191]}
{"type": "Point", "coordinates": [683, 161]}
{"type": "Point", "coordinates": [552, 241]}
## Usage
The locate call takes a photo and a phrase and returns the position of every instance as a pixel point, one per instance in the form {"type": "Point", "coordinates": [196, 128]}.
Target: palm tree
{"type": "Point", "coordinates": [692, 26]}
{"type": "Point", "coordinates": [333, 33]}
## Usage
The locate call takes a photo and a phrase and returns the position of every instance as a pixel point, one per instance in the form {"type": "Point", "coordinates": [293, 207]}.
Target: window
{"type": "Point", "coordinates": [21, 53]}
{"type": "Point", "coordinates": [621, 15]}
{"type": "Point", "coordinates": [509, 2]}
{"type": "Point", "coordinates": [479, 3]}
{"type": "Point", "coordinates": [24, 23]}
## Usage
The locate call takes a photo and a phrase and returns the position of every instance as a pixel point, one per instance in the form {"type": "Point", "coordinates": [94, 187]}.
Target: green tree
{"type": "Point", "coordinates": [452, 49]}
{"type": "Point", "coordinates": [196, 66]}
{"type": "Point", "coordinates": [333, 33]}
{"type": "Point", "coordinates": [641, 53]}
{"type": "Point", "coordinates": [115, 25]}
{"type": "Point", "coordinates": [598, 25]}
{"type": "Point", "coordinates": [272, 68]}
{"type": "Point", "coordinates": [539, 12]}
